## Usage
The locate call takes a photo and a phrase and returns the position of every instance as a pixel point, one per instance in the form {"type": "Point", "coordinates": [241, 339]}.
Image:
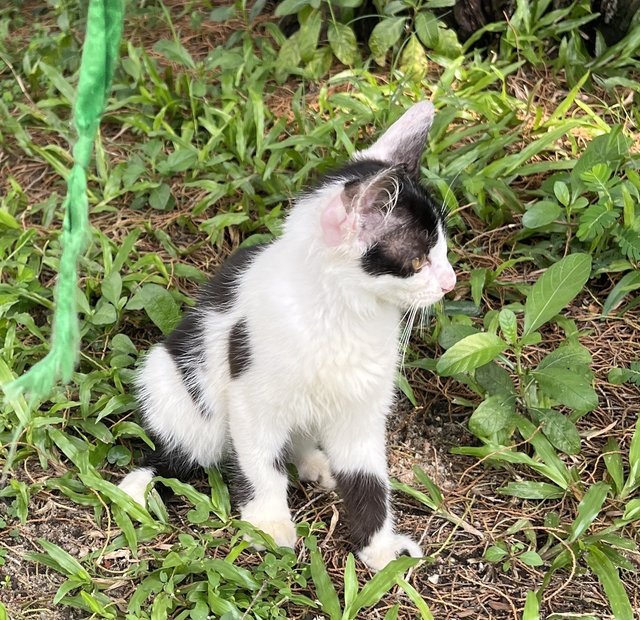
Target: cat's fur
{"type": "Point", "coordinates": [291, 353]}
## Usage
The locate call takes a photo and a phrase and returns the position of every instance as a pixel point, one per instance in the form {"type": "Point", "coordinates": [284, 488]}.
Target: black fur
{"type": "Point", "coordinates": [416, 213]}
{"type": "Point", "coordinates": [413, 236]}
{"type": "Point", "coordinates": [221, 291]}
{"type": "Point", "coordinates": [240, 487]}
{"type": "Point", "coordinates": [185, 345]}
{"type": "Point", "coordinates": [169, 462]}
{"type": "Point", "coordinates": [239, 349]}
{"type": "Point", "coordinates": [365, 499]}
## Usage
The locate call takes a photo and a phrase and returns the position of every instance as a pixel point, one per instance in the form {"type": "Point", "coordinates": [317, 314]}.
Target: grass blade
{"type": "Point", "coordinates": [325, 591]}
{"type": "Point", "coordinates": [609, 577]}
{"type": "Point", "coordinates": [588, 509]}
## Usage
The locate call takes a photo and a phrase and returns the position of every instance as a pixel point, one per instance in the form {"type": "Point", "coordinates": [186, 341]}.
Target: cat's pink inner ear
{"type": "Point", "coordinates": [336, 223]}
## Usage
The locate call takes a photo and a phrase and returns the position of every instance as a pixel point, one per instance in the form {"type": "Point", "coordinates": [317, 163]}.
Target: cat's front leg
{"type": "Point", "coordinates": [259, 484]}
{"type": "Point", "coordinates": [355, 446]}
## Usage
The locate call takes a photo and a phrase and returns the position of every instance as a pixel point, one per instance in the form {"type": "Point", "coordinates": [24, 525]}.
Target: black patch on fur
{"type": "Point", "coordinates": [221, 291]}
{"type": "Point", "coordinates": [413, 234]}
{"type": "Point", "coordinates": [239, 349]}
{"type": "Point", "coordinates": [186, 347]}
{"type": "Point", "coordinates": [169, 462]}
{"type": "Point", "coordinates": [416, 217]}
{"type": "Point", "coordinates": [365, 500]}
{"type": "Point", "coordinates": [240, 487]}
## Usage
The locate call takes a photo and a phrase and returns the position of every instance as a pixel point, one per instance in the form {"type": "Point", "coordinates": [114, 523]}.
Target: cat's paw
{"type": "Point", "coordinates": [283, 533]}
{"type": "Point", "coordinates": [314, 467]}
{"type": "Point", "coordinates": [385, 547]}
{"type": "Point", "coordinates": [135, 484]}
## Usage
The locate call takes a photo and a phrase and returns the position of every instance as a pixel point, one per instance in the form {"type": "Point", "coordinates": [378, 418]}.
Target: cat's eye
{"type": "Point", "coordinates": [419, 263]}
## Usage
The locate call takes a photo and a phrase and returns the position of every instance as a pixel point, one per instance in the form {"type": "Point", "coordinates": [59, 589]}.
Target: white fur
{"type": "Point", "coordinates": [386, 546]}
{"type": "Point", "coordinates": [324, 354]}
{"type": "Point", "coordinates": [136, 483]}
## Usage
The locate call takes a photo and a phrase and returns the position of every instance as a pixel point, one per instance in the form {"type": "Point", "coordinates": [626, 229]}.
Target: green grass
{"type": "Point", "coordinates": [211, 130]}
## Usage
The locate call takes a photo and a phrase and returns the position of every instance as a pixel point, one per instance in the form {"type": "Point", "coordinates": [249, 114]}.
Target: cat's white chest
{"type": "Point", "coordinates": [354, 362]}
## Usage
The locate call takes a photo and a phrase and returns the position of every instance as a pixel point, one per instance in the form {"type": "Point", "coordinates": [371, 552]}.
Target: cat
{"type": "Point", "coordinates": [291, 352]}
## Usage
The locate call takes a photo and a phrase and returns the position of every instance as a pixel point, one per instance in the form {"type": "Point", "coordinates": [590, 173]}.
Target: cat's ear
{"type": "Point", "coordinates": [404, 142]}
{"type": "Point", "coordinates": [357, 211]}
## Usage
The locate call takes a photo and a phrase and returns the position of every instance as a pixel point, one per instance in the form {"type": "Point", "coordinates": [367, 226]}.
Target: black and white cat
{"type": "Point", "coordinates": [291, 353]}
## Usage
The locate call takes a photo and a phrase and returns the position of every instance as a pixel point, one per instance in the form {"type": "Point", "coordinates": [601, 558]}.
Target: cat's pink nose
{"type": "Point", "coordinates": [447, 279]}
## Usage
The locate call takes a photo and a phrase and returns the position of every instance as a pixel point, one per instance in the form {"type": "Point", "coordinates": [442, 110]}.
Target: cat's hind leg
{"type": "Point", "coordinates": [311, 462]}
{"type": "Point", "coordinates": [185, 436]}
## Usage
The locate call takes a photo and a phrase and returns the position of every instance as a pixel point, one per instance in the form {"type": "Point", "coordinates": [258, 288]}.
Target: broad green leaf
{"type": "Point", "coordinates": [588, 509]}
{"type": "Point", "coordinates": [448, 44]}
{"type": "Point", "coordinates": [569, 356]}
{"type": "Point", "coordinates": [594, 221]}
{"type": "Point", "coordinates": [560, 431]}
{"type": "Point", "coordinates": [508, 325]}
{"type": "Point", "coordinates": [618, 376]}
{"type": "Point", "coordinates": [555, 289]}
{"type": "Point", "coordinates": [288, 7]}
{"type": "Point", "coordinates": [495, 554]}
{"type": "Point", "coordinates": [561, 191]}
{"type": "Point", "coordinates": [222, 13]}
{"type": "Point", "coordinates": [612, 148]}
{"type": "Point", "coordinates": [112, 287]}
{"type": "Point", "coordinates": [105, 314]}
{"type": "Point", "coordinates": [494, 414]}
{"type": "Point", "coordinates": [180, 160]}
{"type": "Point", "coordinates": [531, 558]}
{"type": "Point", "coordinates": [175, 51]}
{"type": "Point", "coordinates": [532, 490]}
{"type": "Point", "coordinates": [289, 58]}
{"type": "Point", "coordinates": [159, 197]}
{"type": "Point", "coordinates": [450, 334]}
{"type": "Point", "coordinates": [609, 577]}
{"type": "Point", "coordinates": [469, 353]}
{"type": "Point", "coordinates": [385, 35]}
{"type": "Point", "coordinates": [494, 379]}
{"type": "Point", "coordinates": [426, 26]}
{"type": "Point", "coordinates": [541, 214]}
{"type": "Point", "coordinates": [413, 61]}
{"type": "Point", "coordinates": [308, 35]}
{"type": "Point", "coordinates": [160, 307]}
{"type": "Point", "coordinates": [567, 388]}
{"type": "Point", "coordinates": [343, 43]}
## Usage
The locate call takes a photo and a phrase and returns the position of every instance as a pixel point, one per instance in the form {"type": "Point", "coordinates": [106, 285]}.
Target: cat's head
{"type": "Point", "coordinates": [378, 214]}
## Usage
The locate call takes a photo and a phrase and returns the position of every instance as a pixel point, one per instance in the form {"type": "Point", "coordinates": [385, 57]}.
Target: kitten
{"type": "Point", "coordinates": [290, 354]}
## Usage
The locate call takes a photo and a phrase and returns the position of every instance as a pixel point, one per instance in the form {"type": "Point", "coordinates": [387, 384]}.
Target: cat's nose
{"type": "Point", "coordinates": [447, 279]}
